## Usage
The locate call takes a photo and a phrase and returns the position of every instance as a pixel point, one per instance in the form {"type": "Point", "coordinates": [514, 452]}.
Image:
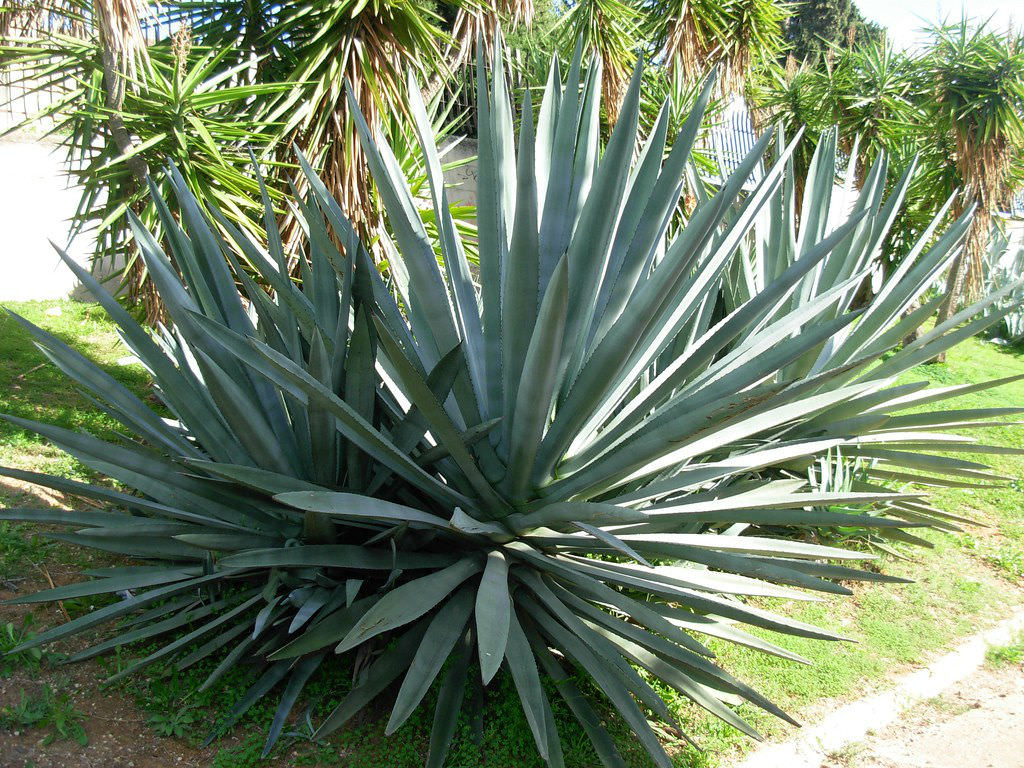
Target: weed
{"type": "Point", "coordinates": [1007, 654]}
{"type": "Point", "coordinates": [949, 706]}
{"type": "Point", "coordinates": [20, 550]}
{"type": "Point", "coordinates": [48, 710]}
{"type": "Point", "coordinates": [1008, 559]}
{"type": "Point", "coordinates": [11, 636]}
{"type": "Point", "coordinates": [245, 755]}
{"type": "Point", "coordinates": [171, 723]}
{"type": "Point", "coordinates": [848, 756]}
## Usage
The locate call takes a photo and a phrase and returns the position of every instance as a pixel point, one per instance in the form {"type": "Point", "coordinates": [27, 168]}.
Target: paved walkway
{"type": "Point", "coordinates": [957, 712]}
{"type": "Point", "coordinates": [977, 724]}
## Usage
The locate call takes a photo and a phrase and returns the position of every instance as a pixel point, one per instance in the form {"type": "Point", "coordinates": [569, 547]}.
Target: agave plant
{"type": "Point", "coordinates": [572, 472]}
{"type": "Point", "coordinates": [1004, 265]}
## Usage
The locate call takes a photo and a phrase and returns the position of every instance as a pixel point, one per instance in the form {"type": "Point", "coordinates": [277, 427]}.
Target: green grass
{"type": "Point", "coordinates": [1013, 653]}
{"type": "Point", "coordinates": [35, 389]}
{"type": "Point", "coordinates": [966, 581]}
{"type": "Point", "coordinates": [32, 388]}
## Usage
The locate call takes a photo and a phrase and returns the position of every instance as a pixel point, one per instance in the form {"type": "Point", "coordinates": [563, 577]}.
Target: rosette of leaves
{"type": "Point", "coordinates": [578, 465]}
{"type": "Point", "coordinates": [1004, 264]}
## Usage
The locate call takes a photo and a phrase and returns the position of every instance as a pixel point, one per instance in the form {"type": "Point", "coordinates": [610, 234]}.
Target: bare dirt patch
{"type": "Point", "coordinates": [116, 731]}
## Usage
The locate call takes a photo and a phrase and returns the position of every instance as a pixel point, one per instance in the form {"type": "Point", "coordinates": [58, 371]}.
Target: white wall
{"type": "Point", "coordinates": [36, 205]}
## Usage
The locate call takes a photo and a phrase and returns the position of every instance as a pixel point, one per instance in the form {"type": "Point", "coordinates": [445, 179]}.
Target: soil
{"type": "Point", "coordinates": [117, 733]}
{"type": "Point", "coordinates": [979, 723]}
{"type": "Point", "coordinates": [118, 736]}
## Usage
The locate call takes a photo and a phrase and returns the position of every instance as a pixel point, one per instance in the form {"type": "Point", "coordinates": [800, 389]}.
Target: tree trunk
{"type": "Point", "coordinates": [116, 63]}
{"type": "Point", "coordinates": [964, 279]}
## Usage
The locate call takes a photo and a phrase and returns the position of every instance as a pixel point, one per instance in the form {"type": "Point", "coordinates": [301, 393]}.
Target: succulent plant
{"type": "Point", "coordinates": [581, 462]}
{"type": "Point", "coordinates": [1004, 263]}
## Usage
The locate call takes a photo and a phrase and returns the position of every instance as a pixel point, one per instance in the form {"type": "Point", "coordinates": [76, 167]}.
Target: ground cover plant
{"type": "Point", "coordinates": [580, 472]}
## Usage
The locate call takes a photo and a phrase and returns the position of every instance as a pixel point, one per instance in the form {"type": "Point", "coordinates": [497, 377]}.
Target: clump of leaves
{"type": "Point", "coordinates": [14, 635]}
{"type": "Point", "coordinates": [48, 710]}
{"type": "Point", "coordinates": [1012, 653]}
{"type": "Point", "coordinates": [171, 723]}
{"type": "Point", "coordinates": [578, 467]}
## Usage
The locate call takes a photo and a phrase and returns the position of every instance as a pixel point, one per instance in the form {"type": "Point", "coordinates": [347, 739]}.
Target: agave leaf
{"type": "Point", "coordinates": [182, 392]}
{"type": "Point", "coordinates": [274, 674]}
{"type": "Point", "coordinates": [185, 639]}
{"type": "Point", "coordinates": [108, 585]}
{"type": "Point", "coordinates": [335, 556]}
{"type": "Point", "coordinates": [538, 381]}
{"type": "Point", "coordinates": [580, 707]}
{"type": "Point", "coordinates": [428, 296]}
{"type": "Point", "coordinates": [520, 297]}
{"type": "Point", "coordinates": [153, 626]}
{"type": "Point", "coordinates": [359, 506]}
{"type": "Point", "coordinates": [612, 688]}
{"type": "Point", "coordinates": [408, 602]}
{"type": "Point", "coordinates": [444, 631]}
{"type": "Point", "coordinates": [211, 646]}
{"type": "Point", "coordinates": [460, 281]}
{"type": "Point", "coordinates": [302, 672]}
{"type": "Point", "coordinates": [129, 408]}
{"type": "Point", "coordinates": [253, 477]}
{"type": "Point", "coordinates": [612, 540]}
{"type": "Point", "coordinates": [388, 666]}
{"type": "Point", "coordinates": [523, 667]}
{"type": "Point", "coordinates": [326, 631]}
{"type": "Point", "coordinates": [493, 614]}
{"type": "Point", "coordinates": [449, 703]}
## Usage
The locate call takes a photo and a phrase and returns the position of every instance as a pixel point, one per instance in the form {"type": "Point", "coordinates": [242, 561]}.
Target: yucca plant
{"type": "Point", "coordinates": [179, 104]}
{"type": "Point", "coordinates": [977, 80]}
{"type": "Point", "coordinates": [572, 472]}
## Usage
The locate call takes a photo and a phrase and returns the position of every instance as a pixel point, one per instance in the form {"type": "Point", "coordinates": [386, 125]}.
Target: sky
{"type": "Point", "coordinates": [905, 18]}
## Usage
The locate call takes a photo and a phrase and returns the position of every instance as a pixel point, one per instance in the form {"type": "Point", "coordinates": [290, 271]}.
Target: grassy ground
{"type": "Point", "coordinates": [966, 581]}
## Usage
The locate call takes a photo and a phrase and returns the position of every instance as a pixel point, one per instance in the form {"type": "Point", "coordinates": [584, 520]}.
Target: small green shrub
{"type": "Point", "coordinates": [47, 710]}
{"type": "Point", "coordinates": [12, 636]}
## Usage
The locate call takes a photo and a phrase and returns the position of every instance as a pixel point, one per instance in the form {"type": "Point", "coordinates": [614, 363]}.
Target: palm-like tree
{"type": "Point", "coordinates": [477, 21]}
{"type": "Point", "coordinates": [27, 18]}
{"type": "Point", "coordinates": [319, 47]}
{"type": "Point", "coordinates": [611, 30]}
{"type": "Point", "coordinates": [733, 35]}
{"type": "Point", "coordinates": [977, 78]}
{"type": "Point", "coordinates": [872, 91]}
{"type": "Point", "coordinates": [296, 59]}
{"type": "Point", "coordinates": [687, 33]}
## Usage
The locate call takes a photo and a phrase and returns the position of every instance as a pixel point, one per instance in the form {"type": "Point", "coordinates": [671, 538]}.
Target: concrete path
{"type": "Point", "coordinates": [977, 724]}
{"type": "Point", "coordinates": [35, 207]}
{"type": "Point", "coordinates": [849, 733]}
